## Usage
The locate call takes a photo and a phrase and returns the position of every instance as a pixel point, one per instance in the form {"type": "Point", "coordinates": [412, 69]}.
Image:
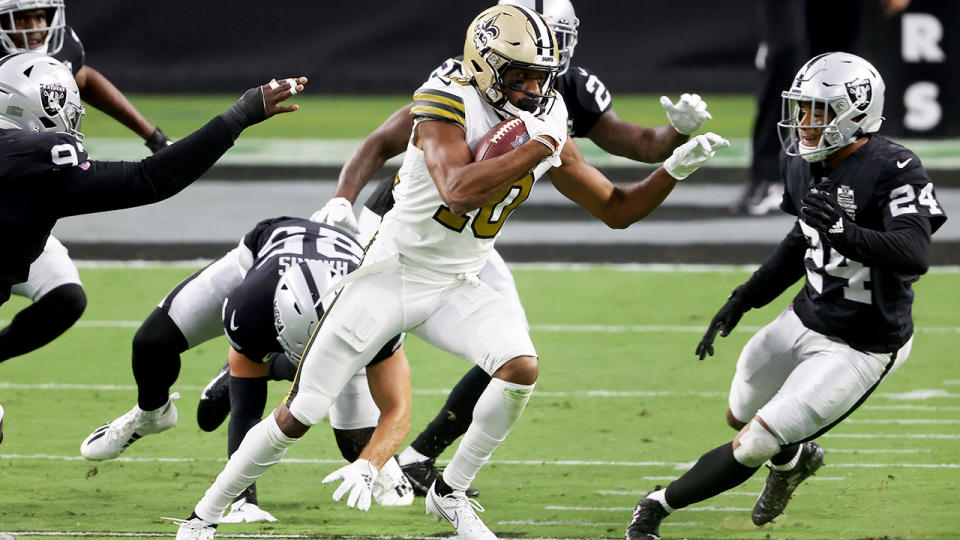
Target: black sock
{"type": "Point", "coordinates": [156, 359]}
{"type": "Point", "coordinates": [42, 321]}
{"type": "Point", "coordinates": [453, 420]}
{"type": "Point", "coordinates": [785, 454]}
{"type": "Point", "coordinates": [281, 368]}
{"type": "Point", "coordinates": [248, 397]}
{"type": "Point", "coordinates": [715, 472]}
{"type": "Point", "coordinates": [441, 488]}
{"type": "Point", "coordinates": [250, 494]}
{"type": "Point", "coordinates": [352, 441]}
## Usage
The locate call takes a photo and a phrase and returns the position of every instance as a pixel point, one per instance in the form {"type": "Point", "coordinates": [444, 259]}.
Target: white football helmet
{"type": "Point", "coordinates": [38, 93]}
{"type": "Point", "coordinates": [505, 37]}
{"type": "Point", "coordinates": [54, 32]}
{"type": "Point", "coordinates": [297, 305]}
{"type": "Point", "coordinates": [562, 19]}
{"type": "Point", "coordinates": [843, 89]}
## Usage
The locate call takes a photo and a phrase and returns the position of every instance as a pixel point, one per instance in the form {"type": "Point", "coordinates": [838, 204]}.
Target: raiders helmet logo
{"type": "Point", "coordinates": [860, 92]}
{"type": "Point", "coordinates": [485, 31]}
{"type": "Point", "coordinates": [53, 97]}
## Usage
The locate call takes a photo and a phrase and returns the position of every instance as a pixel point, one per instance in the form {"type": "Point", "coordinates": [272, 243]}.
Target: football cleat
{"type": "Point", "coordinates": [243, 511]}
{"type": "Point", "coordinates": [781, 484]}
{"type": "Point", "coordinates": [422, 475]}
{"type": "Point", "coordinates": [391, 487]}
{"type": "Point", "coordinates": [110, 440]}
{"type": "Point", "coordinates": [461, 512]}
{"type": "Point", "coordinates": [647, 516]}
{"type": "Point", "coordinates": [214, 405]}
{"type": "Point", "coordinates": [195, 528]}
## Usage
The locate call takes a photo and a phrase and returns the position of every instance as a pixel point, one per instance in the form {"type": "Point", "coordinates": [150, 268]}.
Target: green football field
{"type": "Point", "coordinates": [622, 405]}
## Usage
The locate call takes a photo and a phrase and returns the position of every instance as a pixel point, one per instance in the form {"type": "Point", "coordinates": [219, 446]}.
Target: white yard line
{"type": "Point", "coordinates": [630, 509]}
{"type": "Point", "coordinates": [903, 422]}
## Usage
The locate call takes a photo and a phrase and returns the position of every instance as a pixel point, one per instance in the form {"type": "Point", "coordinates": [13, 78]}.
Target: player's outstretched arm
{"type": "Point", "coordinates": [107, 185]}
{"type": "Point", "coordinates": [389, 382]}
{"type": "Point", "coordinates": [633, 141]}
{"type": "Point", "coordinates": [621, 205]}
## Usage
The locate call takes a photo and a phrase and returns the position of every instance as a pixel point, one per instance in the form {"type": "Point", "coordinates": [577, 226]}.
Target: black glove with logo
{"type": "Point", "coordinates": [824, 213]}
{"type": "Point", "coordinates": [724, 322]}
{"type": "Point", "coordinates": [157, 141]}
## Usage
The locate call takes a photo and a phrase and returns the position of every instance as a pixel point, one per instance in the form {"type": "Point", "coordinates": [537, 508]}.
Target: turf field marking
{"type": "Point", "coordinates": [60, 534]}
{"type": "Point", "coordinates": [903, 422]}
{"type": "Point", "coordinates": [563, 328]}
{"type": "Point", "coordinates": [591, 524]}
{"type": "Point", "coordinates": [630, 509]}
{"type": "Point", "coordinates": [752, 479]}
{"type": "Point", "coordinates": [909, 408]}
{"type": "Point", "coordinates": [892, 436]}
{"type": "Point", "coordinates": [878, 450]}
{"type": "Point", "coordinates": [644, 492]}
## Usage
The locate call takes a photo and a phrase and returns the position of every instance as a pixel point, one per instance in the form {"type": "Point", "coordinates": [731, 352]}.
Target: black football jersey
{"type": "Point", "coordinates": [32, 166]}
{"type": "Point", "coordinates": [868, 307]}
{"type": "Point", "coordinates": [278, 244]}
{"type": "Point", "coordinates": [71, 54]}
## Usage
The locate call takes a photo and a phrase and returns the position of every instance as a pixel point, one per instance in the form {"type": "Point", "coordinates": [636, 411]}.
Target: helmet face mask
{"type": "Point", "coordinates": [840, 95]}
{"type": "Point", "coordinates": [38, 93]}
{"type": "Point", "coordinates": [561, 18]}
{"type": "Point", "coordinates": [14, 40]}
{"type": "Point", "coordinates": [506, 37]}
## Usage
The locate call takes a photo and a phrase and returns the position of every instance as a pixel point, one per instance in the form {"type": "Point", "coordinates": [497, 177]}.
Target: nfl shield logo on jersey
{"type": "Point", "coordinates": [847, 202]}
{"type": "Point", "coordinates": [53, 97]}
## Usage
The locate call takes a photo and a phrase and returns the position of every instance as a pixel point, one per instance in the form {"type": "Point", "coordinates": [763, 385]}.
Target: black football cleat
{"type": "Point", "coordinates": [645, 524]}
{"type": "Point", "coordinates": [214, 405]}
{"type": "Point", "coordinates": [422, 474]}
{"type": "Point", "coordinates": [781, 484]}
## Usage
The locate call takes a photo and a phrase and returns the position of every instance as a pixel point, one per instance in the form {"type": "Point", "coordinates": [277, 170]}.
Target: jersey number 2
{"type": "Point", "coordinates": [490, 218]}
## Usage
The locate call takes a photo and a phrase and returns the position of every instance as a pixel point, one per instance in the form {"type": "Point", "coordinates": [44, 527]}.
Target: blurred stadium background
{"type": "Point", "coordinates": [181, 63]}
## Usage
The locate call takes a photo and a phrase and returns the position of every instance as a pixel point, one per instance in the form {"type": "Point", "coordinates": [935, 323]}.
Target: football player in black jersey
{"type": "Point", "coordinates": [590, 114]}
{"type": "Point", "coordinates": [45, 173]}
{"type": "Point", "coordinates": [866, 211]}
{"type": "Point", "coordinates": [261, 295]}
{"type": "Point", "coordinates": [53, 283]}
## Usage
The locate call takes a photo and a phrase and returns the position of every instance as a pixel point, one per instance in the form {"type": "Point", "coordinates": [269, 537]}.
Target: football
{"type": "Point", "coordinates": [501, 139]}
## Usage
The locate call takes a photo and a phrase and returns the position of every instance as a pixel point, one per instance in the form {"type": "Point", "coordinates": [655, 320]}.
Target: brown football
{"type": "Point", "coordinates": [501, 139]}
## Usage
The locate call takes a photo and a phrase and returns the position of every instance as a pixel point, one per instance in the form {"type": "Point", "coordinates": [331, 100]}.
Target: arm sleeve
{"type": "Point", "coordinates": [108, 185]}
{"type": "Point", "coordinates": [781, 270]}
{"type": "Point", "coordinates": [904, 248]}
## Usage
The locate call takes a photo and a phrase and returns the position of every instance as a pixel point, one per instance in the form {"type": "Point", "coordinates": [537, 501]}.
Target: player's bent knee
{"type": "Point", "coordinates": [289, 425]}
{"type": "Point", "coordinates": [756, 445]}
{"type": "Point", "coordinates": [159, 334]}
{"type": "Point", "coordinates": [520, 370]}
{"type": "Point", "coordinates": [71, 301]}
{"type": "Point", "coordinates": [734, 422]}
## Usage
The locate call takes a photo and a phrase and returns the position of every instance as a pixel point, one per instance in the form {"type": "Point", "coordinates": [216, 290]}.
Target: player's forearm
{"type": "Point", "coordinates": [103, 95]}
{"type": "Point", "coordinates": [905, 248]}
{"type": "Point", "coordinates": [369, 157]}
{"type": "Point", "coordinates": [650, 145]}
{"type": "Point", "coordinates": [477, 184]}
{"type": "Point", "coordinates": [633, 202]}
{"type": "Point", "coordinates": [782, 268]}
{"type": "Point", "coordinates": [392, 428]}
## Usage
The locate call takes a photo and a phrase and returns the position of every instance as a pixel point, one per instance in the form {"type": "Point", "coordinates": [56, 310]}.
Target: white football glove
{"type": "Point", "coordinates": [358, 478]}
{"type": "Point", "coordinates": [541, 127]}
{"type": "Point", "coordinates": [338, 212]}
{"type": "Point", "coordinates": [392, 487]}
{"type": "Point", "coordinates": [688, 114]}
{"type": "Point", "coordinates": [690, 155]}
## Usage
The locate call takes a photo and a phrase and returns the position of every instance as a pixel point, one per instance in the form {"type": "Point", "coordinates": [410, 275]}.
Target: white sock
{"type": "Point", "coordinates": [409, 456]}
{"type": "Point", "coordinates": [497, 410]}
{"type": "Point", "coordinates": [263, 446]}
{"type": "Point", "coordinates": [661, 497]}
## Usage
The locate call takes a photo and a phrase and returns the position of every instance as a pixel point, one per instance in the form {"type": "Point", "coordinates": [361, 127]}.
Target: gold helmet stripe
{"type": "Point", "coordinates": [542, 34]}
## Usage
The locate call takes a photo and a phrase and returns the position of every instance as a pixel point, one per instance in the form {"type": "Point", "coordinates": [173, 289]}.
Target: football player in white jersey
{"type": "Point", "coordinates": [53, 284]}
{"type": "Point", "coordinates": [420, 271]}
{"type": "Point", "coordinates": [590, 114]}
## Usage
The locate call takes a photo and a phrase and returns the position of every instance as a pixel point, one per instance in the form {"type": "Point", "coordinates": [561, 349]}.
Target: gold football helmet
{"type": "Point", "coordinates": [505, 37]}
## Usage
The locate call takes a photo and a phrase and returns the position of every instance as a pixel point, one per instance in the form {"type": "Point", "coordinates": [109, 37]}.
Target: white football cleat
{"type": "Point", "coordinates": [461, 512]}
{"type": "Point", "coordinates": [242, 511]}
{"type": "Point", "coordinates": [392, 487]}
{"type": "Point", "coordinates": [110, 440]}
{"type": "Point", "coordinates": [195, 528]}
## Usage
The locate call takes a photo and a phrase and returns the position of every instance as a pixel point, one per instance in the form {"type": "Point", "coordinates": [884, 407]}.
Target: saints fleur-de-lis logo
{"type": "Point", "coordinates": [53, 97]}
{"type": "Point", "coordinates": [485, 31]}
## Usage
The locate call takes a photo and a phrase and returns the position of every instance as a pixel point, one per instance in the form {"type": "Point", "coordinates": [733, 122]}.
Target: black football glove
{"type": "Point", "coordinates": [824, 213]}
{"type": "Point", "coordinates": [724, 322]}
{"type": "Point", "coordinates": [157, 141]}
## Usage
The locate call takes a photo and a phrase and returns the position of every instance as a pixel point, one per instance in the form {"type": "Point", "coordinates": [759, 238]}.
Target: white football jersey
{"type": "Point", "coordinates": [422, 227]}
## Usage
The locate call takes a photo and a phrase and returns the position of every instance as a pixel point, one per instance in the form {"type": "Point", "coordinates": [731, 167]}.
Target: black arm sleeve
{"type": "Point", "coordinates": [781, 270]}
{"type": "Point", "coordinates": [904, 248]}
{"type": "Point", "coordinates": [112, 185]}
